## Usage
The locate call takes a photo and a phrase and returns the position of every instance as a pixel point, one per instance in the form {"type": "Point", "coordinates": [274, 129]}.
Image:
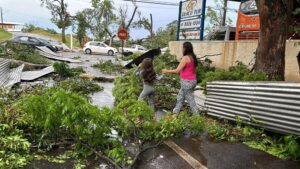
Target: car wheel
{"type": "Point", "coordinates": [111, 53]}
{"type": "Point", "coordinates": [88, 51]}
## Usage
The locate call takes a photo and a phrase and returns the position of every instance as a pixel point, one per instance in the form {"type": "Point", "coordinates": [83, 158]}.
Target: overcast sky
{"type": "Point", "coordinates": [30, 11]}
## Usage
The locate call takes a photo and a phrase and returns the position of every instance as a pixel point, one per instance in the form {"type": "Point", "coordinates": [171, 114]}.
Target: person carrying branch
{"type": "Point", "coordinates": [146, 71]}
{"type": "Point", "coordinates": [188, 79]}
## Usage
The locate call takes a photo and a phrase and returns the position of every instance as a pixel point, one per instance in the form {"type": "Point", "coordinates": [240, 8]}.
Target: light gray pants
{"type": "Point", "coordinates": [186, 92]}
{"type": "Point", "coordinates": [148, 94]}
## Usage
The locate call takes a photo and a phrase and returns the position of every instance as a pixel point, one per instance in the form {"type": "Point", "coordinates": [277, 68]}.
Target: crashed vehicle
{"type": "Point", "coordinates": [56, 47]}
{"type": "Point", "coordinates": [32, 41]}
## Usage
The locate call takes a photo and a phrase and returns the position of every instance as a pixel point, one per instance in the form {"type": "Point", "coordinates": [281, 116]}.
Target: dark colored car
{"type": "Point", "coordinates": [32, 41]}
{"type": "Point", "coordinates": [49, 45]}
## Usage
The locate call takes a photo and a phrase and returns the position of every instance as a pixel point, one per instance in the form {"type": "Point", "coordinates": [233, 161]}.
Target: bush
{"type": "Point", "coordinates": [127, 87]}
{"type": "Point", "coordinates": [108, 67]}
{"type": "Point", "coordinates": [81, 86]}
{"type": "Point", "coordinates": [25, 53]}
{"type": "Point", "coordinates": [64, 70]}
{"type": "Point", "coordinates": [28, 28]}
{"type": "Point", "coordinates": [14, 152]}
{"type": "Point", "coordinates": [57, 112]}
{"type": "Point", "coordinates": [52, 31]}
{"type": "Point", "coordinates": [239, 72]}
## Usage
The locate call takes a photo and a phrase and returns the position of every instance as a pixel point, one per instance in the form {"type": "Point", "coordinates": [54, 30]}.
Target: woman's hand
{"type": "Point", "coordinates": [164, 71]}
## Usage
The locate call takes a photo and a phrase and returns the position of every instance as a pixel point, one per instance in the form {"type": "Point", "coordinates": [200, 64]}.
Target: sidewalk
{"type": "Point", "coordinates": [212, 155]}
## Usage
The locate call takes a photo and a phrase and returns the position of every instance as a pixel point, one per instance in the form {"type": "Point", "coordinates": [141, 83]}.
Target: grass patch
{"type": "Point", "coordinates": [108, 67]}
{"type": "Point", "coordinates": [4, 35]}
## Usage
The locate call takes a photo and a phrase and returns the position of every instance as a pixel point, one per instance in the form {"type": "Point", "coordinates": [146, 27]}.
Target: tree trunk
{"type": "Point", "coordinates": [111, 40]}
{"type": "Point", "coordinates": [63, 35]}
{"type": "Point", "coordinates": [270, 54]}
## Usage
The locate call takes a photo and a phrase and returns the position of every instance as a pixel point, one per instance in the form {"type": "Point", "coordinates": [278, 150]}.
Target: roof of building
{"type": "Point", "coordinates": [11, 23]}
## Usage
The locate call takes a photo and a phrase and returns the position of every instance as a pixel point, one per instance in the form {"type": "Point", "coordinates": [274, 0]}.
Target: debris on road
{"type": "Point", "coordinates": [32, 75]}
{"type": "Point", "coordinates": [93, 77]}
{"type": "Point", "coordinates": [44, 51]}
{"type": "Point", "coordinates": [150, 54]}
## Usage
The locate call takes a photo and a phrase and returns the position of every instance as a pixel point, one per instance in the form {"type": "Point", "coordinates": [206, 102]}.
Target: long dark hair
{"type": "Point", "coordinates": [148, 73]}
{"type": "Point", "coordinates": [188, 50]}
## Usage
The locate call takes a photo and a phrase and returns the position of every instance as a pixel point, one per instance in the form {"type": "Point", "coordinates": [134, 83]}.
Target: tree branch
{"type": "Point", "coordinates": [96, 152]}
{"type": "Point", "coordinates": [132, 17]}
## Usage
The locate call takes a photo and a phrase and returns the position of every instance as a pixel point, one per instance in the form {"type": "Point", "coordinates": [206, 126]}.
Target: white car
{"type": "Point", "coordinates": [99, 47]}
{"type": "Point", "coordinates": [134, 49]}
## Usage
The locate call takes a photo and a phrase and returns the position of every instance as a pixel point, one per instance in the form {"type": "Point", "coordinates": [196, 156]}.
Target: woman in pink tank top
{"type": "Point", "coordinates": [188, 79]}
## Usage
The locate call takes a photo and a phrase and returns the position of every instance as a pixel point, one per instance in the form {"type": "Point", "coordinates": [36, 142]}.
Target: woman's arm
{"type": "Point", "coordinates": [137, 71]}
{"type": "Point", "coordinates": [178, 69]}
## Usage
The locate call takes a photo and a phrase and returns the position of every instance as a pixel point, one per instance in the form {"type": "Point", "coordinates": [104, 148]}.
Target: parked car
{"type": "Point", "coordinates": [133, 49]}
{"type": "Point", "coordinates": [99, 47]}
{"type": "Point", "coordinates": [31, 41]}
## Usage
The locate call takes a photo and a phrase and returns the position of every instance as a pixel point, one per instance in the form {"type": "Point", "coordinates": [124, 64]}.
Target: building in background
{"type": "Point", "coordinates": [11, 26]}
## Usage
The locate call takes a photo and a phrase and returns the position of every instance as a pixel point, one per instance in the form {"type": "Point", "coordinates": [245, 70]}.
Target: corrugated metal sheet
{"type": "Point", "coordinates": [200, 99]}
{"type": "Point", "coordinates": [275, 106]}
{"type": "Point", "coordinates": [32, 75]}
{"type": "Point", "coordinates": [44, 51]}
{"type": "Point", "coordinates": [9, 77]}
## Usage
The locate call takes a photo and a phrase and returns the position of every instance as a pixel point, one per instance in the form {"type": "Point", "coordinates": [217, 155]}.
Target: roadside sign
{"type": "Point", "coordinates": [192, 23]}
{"type": "Point", "coordinates": [191, 8]}
{"type": "Point", "coordinates": [191, 20]}
{"type": "Point", "coordinates": [122, 34]}
{"type": "Point", "coordinates": [192, 35]}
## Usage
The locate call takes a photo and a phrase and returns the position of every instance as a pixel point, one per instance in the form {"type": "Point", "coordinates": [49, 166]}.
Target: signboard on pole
{"type": "Point", "coordinates": [191, 20]}
{"type": "Point", "coordinates": [122, 34]}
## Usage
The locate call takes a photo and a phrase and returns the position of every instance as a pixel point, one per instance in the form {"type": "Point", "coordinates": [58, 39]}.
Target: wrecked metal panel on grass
{"type": "Point", "coordinates": [44, 51]}
{"type": "Point", "coordinates": [33, 75]}
{"type": "Point", "coordinates": [273, 105]}
{"type": "Point", "coordinates": [9, 77]}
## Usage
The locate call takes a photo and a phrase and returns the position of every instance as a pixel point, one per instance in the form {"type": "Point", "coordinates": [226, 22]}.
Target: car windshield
{"type": "Point", "coordinates": [102, 45]}
{"type": "Point", "coordinates": [141, 48]}
{"type": "Point", "coordinates": [23, 38]}
{"type": "Point", "coordinates": [33, 40]}
{"type": "Point", "coordinates": [249, 7]}
{"type": "Point", "coordinates": [44, 41]}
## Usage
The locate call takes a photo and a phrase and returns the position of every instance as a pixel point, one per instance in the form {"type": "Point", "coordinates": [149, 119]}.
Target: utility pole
{"type": "Point", "coordinates": [224, 13]}
{"type": "Point", "coordinates": [1, 17]}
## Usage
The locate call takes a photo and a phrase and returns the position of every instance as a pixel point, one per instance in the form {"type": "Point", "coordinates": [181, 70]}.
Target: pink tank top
{"type": "Point", "coordinates": [188, 72]}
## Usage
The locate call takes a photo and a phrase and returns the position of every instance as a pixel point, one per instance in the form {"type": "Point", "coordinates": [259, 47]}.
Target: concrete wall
{"type": "Point", "coordinates": [232, 51]}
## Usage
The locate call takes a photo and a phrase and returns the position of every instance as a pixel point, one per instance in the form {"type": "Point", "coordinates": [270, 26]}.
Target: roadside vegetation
{"type": "Point", "coordinates": [281, 146]}
{"type": "Point", "coordinates": [109, 67]}
{"type": "Point", "coordinates": [4, 35]}
{"type": "Point", "coordinates": [23, 53]}
{"type": "Point", "coordinates": [64, 70]}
